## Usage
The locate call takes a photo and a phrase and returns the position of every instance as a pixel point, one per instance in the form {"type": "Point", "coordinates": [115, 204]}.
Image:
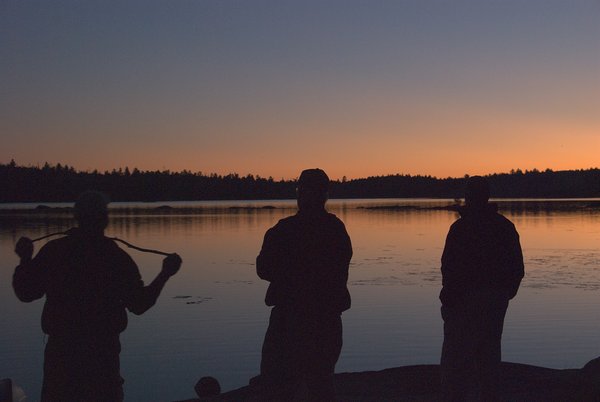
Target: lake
{"type": "Point", "coordinates": [211, 318]}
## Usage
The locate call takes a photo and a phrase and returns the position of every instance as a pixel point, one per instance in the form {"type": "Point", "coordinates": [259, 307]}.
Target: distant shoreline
{"type": "Point", "coordinates": [63, 183]}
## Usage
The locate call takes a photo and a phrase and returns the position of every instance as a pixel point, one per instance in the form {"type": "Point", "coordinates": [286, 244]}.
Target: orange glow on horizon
{"type": "Point", "coordinates": [488, 144]}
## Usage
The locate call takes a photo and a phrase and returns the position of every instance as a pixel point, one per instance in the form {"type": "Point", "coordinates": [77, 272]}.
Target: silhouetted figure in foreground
{"type": "Point", "coordinates": [306, 258]}
{"type": "Point", "coordinates": [482, 267]}
{"type": "Point", "coordinates": [88, 282]}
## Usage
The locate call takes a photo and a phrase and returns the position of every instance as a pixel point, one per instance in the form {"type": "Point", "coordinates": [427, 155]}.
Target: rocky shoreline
{"type": "Point", "coordinates": [519, 383]}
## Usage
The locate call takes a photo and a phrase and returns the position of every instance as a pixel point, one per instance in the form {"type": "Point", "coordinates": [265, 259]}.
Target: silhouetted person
{"type": "Point", "coordinates": [305, 257]}
{"type": "Point", "coordinates": [89, 282]}
{"type": "Point", "coordinates": [482, 267]}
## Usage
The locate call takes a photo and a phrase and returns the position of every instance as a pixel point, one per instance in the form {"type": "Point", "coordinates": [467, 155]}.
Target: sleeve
{"type": "Point", "coordinates": [346, 252]}
{"type": "Point", "coordinates": [342, 254]}
{"type": "Point", "coordinates": [516, 265]}
{"type": "Point", "coordinates": [332, 284]}
{"type": "Point", "coordinates": [450, 259]}
{"type": "Point", "coordinates": [139, 298]}
{"type": "Point", "coordinates": [29, 279]}
{"type": "Point", "coordinates": [269, 260]}
{"type": "Point", "coordinates": [346, 246]}
{"type": "Point", "coordinates": [135, 297]}
{"type": "Point", "coordinates": [451, 269]}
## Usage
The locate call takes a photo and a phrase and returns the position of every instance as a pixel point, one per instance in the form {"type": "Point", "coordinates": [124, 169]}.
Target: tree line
{"type": "Point", "coordinates": [62, 183]}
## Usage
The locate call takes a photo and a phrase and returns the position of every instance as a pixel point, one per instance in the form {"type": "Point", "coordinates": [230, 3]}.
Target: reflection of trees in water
{"type": "Point", "coordinates": [549, 207]}
{"type": "Point", "coordinates": [12, 227]}
{"type": "Point", "coordinates": [523, 207]}
{"type": "Point", "coordinates": [166, 220]}
{"type": "Point", "coordinates": [131, 223]}
{"type": "Point", "coordinates": [405, 217]}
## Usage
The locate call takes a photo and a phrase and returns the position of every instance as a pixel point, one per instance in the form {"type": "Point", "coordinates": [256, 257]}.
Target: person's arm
{"type": "Point", "coordinates": [339, 257]}
{"type": "Point", "coordinates": [451, 270]}
{"type": "Point", "coordinates": [29, 277]}
{"type": "Point", "coordinates": [144, 297]}
{"type": "Point", "coordinates": [346, 254]}
{"type": "Point", "coordinates": [450, 257]}
{"type": "Point", "coordinates": [342, 266]}
{"type": "Point", "coordinates": [517, 268]}
{"type": "Point", "coordinates": [268, 262]}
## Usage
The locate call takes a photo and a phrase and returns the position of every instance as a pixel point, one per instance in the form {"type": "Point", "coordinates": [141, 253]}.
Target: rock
{"type": "Point", "coordinates": [592, 367]}
{"type": "Point", "coordinates": [518, 383]}
{"type": "Point", "coordinates": [207, 386]}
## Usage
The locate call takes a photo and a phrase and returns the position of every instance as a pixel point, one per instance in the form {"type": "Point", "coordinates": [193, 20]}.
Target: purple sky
{"type": "Point", "coordinates": [358, 88]}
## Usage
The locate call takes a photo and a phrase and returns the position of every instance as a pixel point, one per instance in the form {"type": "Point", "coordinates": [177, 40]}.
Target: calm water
{"type": "Point", "coordinates": [211, 318]}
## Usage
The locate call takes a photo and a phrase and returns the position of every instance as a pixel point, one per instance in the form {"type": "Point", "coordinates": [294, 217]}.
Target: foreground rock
{"type": "Point", "coordinates": [519, 382]}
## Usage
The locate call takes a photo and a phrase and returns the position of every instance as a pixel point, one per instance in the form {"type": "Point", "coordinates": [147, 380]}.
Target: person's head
{"type": "Point", "coordinates": [91, 211]}
{"type": "Point", "coordinates": [477, 192]}
{"type": "Point", "coordinates": [313, 189]}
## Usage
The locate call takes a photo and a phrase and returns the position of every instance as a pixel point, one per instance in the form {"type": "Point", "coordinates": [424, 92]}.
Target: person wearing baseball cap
{"type": "Point", "coordinates": [305, 258]}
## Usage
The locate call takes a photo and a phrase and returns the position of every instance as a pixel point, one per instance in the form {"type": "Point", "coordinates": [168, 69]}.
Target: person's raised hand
{"type": "Point", "coordinates": [171, 264]}
{"type": "Point", "coordinates": [24, 249]}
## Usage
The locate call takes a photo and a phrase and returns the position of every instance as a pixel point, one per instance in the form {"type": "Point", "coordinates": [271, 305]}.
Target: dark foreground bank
{"type": "Point", "coordinates": [519, 382]}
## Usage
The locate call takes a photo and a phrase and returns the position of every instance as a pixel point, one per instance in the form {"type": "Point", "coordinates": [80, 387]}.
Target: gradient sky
{"type": "Point", "coordinates": [358, 88]}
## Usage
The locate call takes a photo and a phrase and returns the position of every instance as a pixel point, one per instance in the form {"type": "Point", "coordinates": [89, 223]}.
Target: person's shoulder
{"type": "Point", "coordinates": [60, 242]}
{"type": "Point", "coordinates": [54, 251]}
{"type": "Point", "coordinates": [115, 251]}
{"type": "Point", "coordinates": [459, 223]}
{"type": "Point", "coordinates": [283, 225]}
{"type": "Point", "coordinates": [462, 227]}
{"type": "Point", "coordinates": [503, 219]}
{"type": "Point", "coordinates": [57, 245]}
{"type": "Point", "coordinates": [505, 222]}
{"type": "Point", "coordinates": [334, 220]}
{"type": "Point", "coordinates": [286, 222]}
{"type": "Point", "coordinates": [111, 244]}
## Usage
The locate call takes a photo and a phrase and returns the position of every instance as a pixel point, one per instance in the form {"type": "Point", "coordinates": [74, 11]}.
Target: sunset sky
{"type": "Point", "coordinates": [358, 88]}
